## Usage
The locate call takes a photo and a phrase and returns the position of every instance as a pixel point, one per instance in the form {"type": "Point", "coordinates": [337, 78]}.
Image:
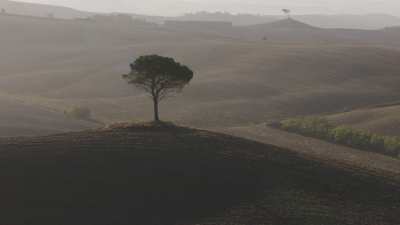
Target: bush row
{"type": "Point", "coordinates": [322, 129]}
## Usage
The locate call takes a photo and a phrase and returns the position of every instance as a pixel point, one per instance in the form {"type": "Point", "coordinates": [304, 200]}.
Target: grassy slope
{"type": "Point", "coordinates": [380, 119]}
{"type": "Point", "coordinates": [18, 118]}
{"type": "Point", "coordinates": [171, 175]}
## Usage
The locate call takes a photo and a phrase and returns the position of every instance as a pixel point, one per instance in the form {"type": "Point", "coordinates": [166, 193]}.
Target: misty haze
{"type": "Point", "coordinates": [198, 112]}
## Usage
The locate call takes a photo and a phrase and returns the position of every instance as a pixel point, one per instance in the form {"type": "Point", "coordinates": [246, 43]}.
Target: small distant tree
{"type": "Point", "coordinates": [286, 12]}
{"type": "Point", "coordinates": [3, 11]}
{"type": "Point", "coordinates": [159, 76]}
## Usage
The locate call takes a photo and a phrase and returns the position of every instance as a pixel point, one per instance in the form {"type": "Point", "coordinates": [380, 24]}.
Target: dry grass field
{"type": "Point", "coordinates": [49, 66]}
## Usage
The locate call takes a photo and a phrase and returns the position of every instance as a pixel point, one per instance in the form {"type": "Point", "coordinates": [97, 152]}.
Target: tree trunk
{"type": "Point", "coordinates": [156, 117]}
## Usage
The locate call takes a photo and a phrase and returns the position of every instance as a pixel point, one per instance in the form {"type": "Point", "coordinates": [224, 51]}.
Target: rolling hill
{"type": "Point", "coordinates": [289, 24]}
{"type": "Point", "coordinates": [163, 174]}
{"type": "Point", "coordinates": [41, 10]}
{"type": "Point", "coordinates": [58, 64]}
{"type": "Point", "coordinates": [295, 31]}
{"type": "Point", "coordinates": [24, 119]}
{"type": "Point", "coordinates": [346, 21]}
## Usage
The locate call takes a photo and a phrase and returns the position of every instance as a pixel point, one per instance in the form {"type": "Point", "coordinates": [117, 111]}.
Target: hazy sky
{"type": "Point", "coordinates": [174, 7]}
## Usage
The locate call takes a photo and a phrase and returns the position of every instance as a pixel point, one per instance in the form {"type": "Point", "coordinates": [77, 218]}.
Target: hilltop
{"type": "Point", "coordinates": [347, 21]}
{"type": "Point", "coordinates": [146, 174]}
{"type": "Point", "coordinates": [285, 24]}
{"type": "Point", "coordinates": [297, 31]}
{"type": "Point", "coordinates": [41, 10]}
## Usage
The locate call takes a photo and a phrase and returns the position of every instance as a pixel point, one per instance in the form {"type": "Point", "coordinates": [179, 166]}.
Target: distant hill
{"type": "Point", "coordinates": [199, 26]}
{"type": "Point", "coordinates": [393, 28]}
{"type": "Point", "coordinates": [61, 12]}
{"type": "Point", "coordinates": [41, 10]}
{"type": "Point", "coordinates": [290, 30]}
{"type": "Point", "coordinates": [236, 19]}
{"type": "Point", "coordinates": [368, 21]}
{"type": "Point", "coordinates": [289, 24]}
{"type": "Point", "coordinates": [161, 174]}
{"type": "Point", "coordinates": [296, 31]}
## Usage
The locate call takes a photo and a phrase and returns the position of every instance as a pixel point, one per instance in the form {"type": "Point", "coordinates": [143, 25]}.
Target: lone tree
{"type": "Point", "coordinates": [159, 76]}
{"type": "Point", "coordinates": [287, 12]}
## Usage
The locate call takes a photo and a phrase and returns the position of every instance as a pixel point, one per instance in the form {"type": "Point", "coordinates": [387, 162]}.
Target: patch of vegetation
{"type": "Point", "coordinates": [322, 129]}
{"type": "Point", "coordinates": [80, 113]}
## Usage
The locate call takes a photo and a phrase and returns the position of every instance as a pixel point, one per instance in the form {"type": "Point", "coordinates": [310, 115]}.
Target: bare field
{"type": "Point", "coordinates": [173, 175]}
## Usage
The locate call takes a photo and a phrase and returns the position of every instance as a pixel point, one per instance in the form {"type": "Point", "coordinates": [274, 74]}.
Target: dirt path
{"type": "Point", "coordinates": [332, 154]}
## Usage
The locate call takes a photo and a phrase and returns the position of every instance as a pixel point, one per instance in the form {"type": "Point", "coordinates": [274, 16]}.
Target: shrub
{"type": "Point", "coordinates": [308, 126]}
{"type": "Point", "coordinates": [81, 113]}
{"type": "Point", "coordinates": [392, 146]}
{"type": "Point", "coordinates": [291, 125]}
{"type": "Point", "coordinates": [341, 135]}
{"type": "Point", "coordinates": [318, 126]}
{"type": "Point", "coordinates": [377, 143]}
{"type": "Point", "coordinates": [360, 139]}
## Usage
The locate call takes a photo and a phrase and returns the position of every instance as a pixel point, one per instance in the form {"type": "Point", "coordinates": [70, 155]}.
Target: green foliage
{"type": "Point", "coordinates": [80, 113]}
{"type": "Point", "coordinates": [159, 76]}
{"type": "Point", "coordinates": [392, 146]}
{"type": "Point", "coordinates": [360, 139]}
{"type": "Point", "coordinates": [321, 128]}
{"type": "Point", "coordinates": [311, 126]}
{"type": "Point", "coordinates": [342, 135]}
{"type": "Point", "coordinates": [377, 142]}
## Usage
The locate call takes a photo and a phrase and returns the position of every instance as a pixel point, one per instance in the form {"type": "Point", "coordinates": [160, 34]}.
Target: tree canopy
{"type": "Point", "coordinates": [159, 76]}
